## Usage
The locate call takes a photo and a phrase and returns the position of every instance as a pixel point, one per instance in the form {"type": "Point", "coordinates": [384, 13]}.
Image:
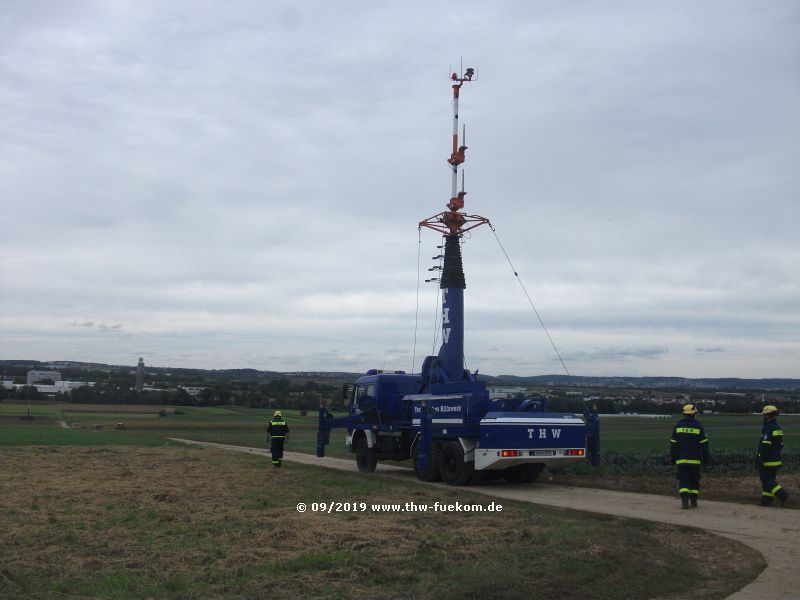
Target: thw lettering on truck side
{"type": "Point", "coordinates": [445, 318]}
{"type": "Point", "coordinates": [554, 433]}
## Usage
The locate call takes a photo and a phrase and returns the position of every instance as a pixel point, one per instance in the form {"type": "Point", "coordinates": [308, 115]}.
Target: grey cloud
{"type": "Point", "coordinates": [617, 354]}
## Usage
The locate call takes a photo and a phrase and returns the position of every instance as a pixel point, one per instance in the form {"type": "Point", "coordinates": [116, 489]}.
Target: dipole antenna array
{"type": "Point", "coordinates": [453, 221]}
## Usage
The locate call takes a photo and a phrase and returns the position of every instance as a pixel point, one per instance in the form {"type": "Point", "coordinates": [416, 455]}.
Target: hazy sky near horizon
{"type": "Point", "coordinates": [239, 184]}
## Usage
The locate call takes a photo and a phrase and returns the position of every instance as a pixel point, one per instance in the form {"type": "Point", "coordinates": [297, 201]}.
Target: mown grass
{"type": "Point", "coordinates": [179, 522]}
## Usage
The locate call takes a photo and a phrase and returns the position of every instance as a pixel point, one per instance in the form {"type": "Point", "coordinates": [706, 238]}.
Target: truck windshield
{"type": "Point", "coordinates": [361, 392]}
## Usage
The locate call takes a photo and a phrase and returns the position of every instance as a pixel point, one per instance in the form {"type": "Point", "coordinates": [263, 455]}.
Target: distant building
{"type": "Point", "coordinates": [34, 376]}
{"type": "Point", "coordinates": [194, 392]}
{"type": "Point", "coordinates": [64, 387]}
{"type": "Point", "coordinates": [497, 393]}
{"type": "Point", "coordinates": [140, 375]}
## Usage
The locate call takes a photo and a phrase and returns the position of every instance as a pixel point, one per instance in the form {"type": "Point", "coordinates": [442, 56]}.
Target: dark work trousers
{"type": "Point", "coordinates": [276, 447]}
{"type": "Point", "coordinates": [689, 480]}
{"type": "Point", "coordinates": [769, 486]}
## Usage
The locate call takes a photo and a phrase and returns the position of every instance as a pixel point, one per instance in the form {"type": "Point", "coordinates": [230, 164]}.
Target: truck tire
{"type": "Point", "coordinates": [432, 472]}
{"type": "Point", "coordinates": [522, 473]}
{"type": "Point", "coordinates": [452, 467]}
{"type": "Point", "coordinates": [366, 461]}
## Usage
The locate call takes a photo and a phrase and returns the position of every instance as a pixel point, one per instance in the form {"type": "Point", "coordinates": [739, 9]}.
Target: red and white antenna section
{"type": "Point", "coordinates": [453, 221]}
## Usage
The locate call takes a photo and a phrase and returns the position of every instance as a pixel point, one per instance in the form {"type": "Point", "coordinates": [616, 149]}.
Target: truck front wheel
{"type": "Point", "coordinates": [453, 468]}
{"type": "Point", "coordinates": [365, 456]}
{"type": "Point", "coordinates": [432, 472]}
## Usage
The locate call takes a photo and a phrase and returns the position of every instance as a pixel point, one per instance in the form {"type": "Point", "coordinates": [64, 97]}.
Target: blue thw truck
{"type": "Point", "coordinates": [442, 418]}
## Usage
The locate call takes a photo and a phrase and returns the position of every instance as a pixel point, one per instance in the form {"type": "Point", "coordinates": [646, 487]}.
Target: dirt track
{"type": "Point", "coordinates": [772, 531]}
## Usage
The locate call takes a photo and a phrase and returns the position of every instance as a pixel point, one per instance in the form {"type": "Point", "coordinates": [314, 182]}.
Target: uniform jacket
{"type": "Point", "coordinates": [770, 445]}
{"type": "Point", "coordinates": [277, 428]}
{"type": "Point", "coordinates": [689, 443]}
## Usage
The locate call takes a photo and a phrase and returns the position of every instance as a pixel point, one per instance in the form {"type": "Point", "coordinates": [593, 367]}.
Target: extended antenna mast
{"type": "Point", "coordinates": [452, 223]}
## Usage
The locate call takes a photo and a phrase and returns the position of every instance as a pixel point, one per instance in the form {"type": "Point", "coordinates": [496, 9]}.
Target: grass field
{"type": "Point", "coordinates": [243, 426]}
{"type": "Point", "coordinates": [47, 435]}
{"type": "Point", "coordinates": [230, 425]}
{"type": "Point", "coordinates": [175, 522]}
{"type": "Point", "coordinates": [634, 448]}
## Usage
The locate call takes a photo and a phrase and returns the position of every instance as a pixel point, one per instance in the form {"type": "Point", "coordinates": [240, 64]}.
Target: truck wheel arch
{"type": "Point", "coordinates": [352, 438]}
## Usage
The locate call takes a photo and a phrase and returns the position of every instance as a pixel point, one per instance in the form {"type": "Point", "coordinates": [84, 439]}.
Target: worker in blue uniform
{"type": "Point", "coordinates": [688, 450]}
{"type": "Point", "coordinates": [768, 459]}
{"type": "Point", "coordinates": [277, 436]}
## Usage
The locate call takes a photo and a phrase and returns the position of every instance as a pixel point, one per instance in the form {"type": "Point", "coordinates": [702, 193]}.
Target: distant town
{"type": "Point", "coordinates": [79, 382]}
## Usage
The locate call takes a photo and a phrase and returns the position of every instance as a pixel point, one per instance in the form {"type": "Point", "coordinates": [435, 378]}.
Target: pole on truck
{"type": "Point", "coordinates": [452, 224]}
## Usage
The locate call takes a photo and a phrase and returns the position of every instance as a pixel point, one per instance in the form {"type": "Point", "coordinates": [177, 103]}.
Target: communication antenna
{"type": "Point", "coordinates": [453, 221]}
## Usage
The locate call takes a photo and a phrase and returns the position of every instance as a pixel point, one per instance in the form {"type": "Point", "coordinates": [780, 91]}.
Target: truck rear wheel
{"type": "Point", "coordinates": [522, 473]}
{"type": "Point", "coordinates": [365, 456]}
{"type": "Point", "coordinates": [453, 468]}
{"type": "Point", "coordinates": [432, 472]}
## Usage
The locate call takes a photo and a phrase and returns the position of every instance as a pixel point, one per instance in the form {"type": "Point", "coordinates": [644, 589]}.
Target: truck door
{"type": "Point", "coordinates": [357, 400]}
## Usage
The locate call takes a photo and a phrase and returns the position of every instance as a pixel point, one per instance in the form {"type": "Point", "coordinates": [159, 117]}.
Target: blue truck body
{"type": "Point", "coordinates": [455, 431]}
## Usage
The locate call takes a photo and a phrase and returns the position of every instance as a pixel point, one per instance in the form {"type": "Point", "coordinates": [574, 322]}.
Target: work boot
{"type": "Point", "coordinates": [684, 502]}
{"type": "Point", "coordinates": [693, 500]}
{"type": "Point", "coordinates": [765, 501]}
{"type": "Point", "coordinates": [782, 496]}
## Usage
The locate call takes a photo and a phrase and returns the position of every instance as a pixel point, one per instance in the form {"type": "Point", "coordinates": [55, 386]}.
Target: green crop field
{"type": "Point", "coordinates": [244, 426]}
{"type": "Point", "coordinates": [221, 424]}
{"type": "Point", "coordinates": [29, 434]}
{"type": "Point", "coordinates": [11, 409]}
{"type": "Point", "coordinates": [725, 432]}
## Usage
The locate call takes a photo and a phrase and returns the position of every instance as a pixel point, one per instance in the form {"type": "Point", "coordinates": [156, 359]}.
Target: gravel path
{"type": "Point", "coordinates": [775, 533]}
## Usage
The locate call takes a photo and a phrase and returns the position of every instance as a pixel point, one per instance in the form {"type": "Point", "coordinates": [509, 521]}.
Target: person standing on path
{"type": "Point", "coordinates": [277, 435]}
{"type": "Point", "coordinates": [688, 450]}
{"type": "Point", "coordinates": [769, 458]}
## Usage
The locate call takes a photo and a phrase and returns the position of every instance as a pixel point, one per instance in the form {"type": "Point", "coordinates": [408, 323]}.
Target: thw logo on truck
{"type": "Point", "coordinates": [445, 318]}
{"type": "Point", "coordinates": [554, 433]}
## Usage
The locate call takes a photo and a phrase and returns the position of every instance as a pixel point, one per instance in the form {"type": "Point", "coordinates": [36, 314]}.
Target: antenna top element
{"type": "Point", "coordinates": [466, 76]}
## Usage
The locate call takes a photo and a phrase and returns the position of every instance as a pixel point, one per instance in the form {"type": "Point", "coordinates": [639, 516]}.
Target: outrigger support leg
{"type": "Point", "coordinates": [323, 431]}
{"type": "Point", "coordinates": [424, 439]}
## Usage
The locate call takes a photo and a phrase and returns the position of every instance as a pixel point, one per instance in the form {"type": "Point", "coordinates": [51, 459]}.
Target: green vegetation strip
{"type": "Point", "coordinates": [53, 435]}
{"type": "Point", "coordinates": [182, 522]}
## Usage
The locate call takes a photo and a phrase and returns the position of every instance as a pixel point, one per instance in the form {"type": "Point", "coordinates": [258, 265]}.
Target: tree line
{"type": "Point", "coordinates": [276, 392]}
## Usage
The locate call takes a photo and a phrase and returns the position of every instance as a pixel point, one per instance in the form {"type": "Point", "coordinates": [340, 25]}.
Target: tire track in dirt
{"type": "Point", "coordinates": [773, 532]}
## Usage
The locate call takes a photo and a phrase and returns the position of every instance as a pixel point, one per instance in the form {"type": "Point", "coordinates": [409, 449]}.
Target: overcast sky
{"type": "Point", "coordinates": [238, 184]}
